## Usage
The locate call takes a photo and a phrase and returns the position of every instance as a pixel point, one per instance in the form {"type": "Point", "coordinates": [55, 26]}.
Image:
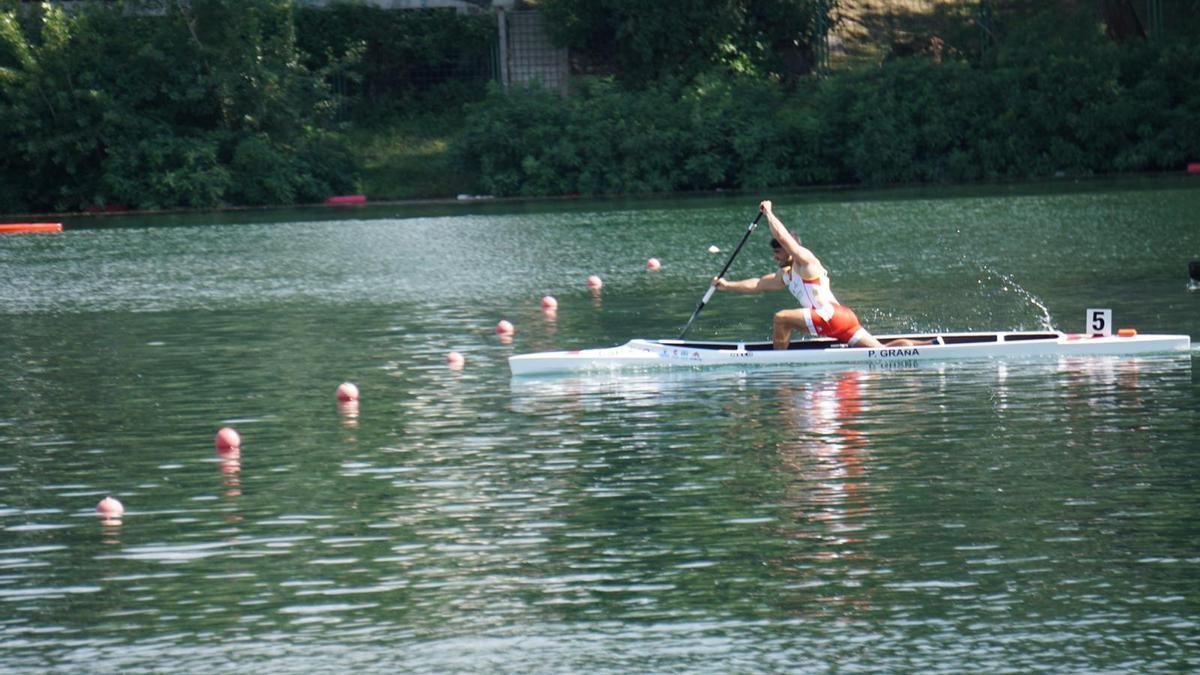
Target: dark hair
{"type": "Point", "coordinates": [775, 244]}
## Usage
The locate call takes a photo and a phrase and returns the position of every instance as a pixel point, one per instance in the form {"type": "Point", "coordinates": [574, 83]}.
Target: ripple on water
{"type": "Point", "coordinates": [1021, 515]}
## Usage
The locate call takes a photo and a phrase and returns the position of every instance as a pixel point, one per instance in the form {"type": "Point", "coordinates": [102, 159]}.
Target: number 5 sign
{"type": "Point", "coordinates": [1099, 322]}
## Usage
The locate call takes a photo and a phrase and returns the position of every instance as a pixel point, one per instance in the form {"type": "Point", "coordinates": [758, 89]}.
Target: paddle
{"type": "Point", "coordinates": [712, 288]}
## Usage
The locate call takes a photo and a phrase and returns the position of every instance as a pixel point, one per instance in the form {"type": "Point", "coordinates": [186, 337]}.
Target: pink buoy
{"type": "Point", "coordinates": [548, 302]}
{"type": "Point", "coordinates": [347, 391]}
{"type": "Point", "coordinates": [594, 282]}
{"type": "Point", "coordinates": [228, 439]}
{"type": "Point", "coordinates": [455, 361]}
{"type": "Point", "coordinates": [504, 328]}
{"type": "Point", "coordinates": [110, 507]}
{"type": "Point", "coordinates": [653, 264]}
{"type": "Point", "coordinates": [1194, 167]}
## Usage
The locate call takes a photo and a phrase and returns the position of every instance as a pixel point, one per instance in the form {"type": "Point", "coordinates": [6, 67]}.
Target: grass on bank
{"type": "Point", "coordinates": [407, 157]}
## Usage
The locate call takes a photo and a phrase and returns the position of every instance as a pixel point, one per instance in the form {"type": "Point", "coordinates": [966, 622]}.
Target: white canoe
{"type": "Point", "coordinates": [647, 354]}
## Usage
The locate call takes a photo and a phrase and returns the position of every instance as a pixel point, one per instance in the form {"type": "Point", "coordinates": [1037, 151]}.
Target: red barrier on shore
{"type": "Point", "coordinates": [347, 199]}
{"type": "Point", "coordinates": [30, 227]}
{"type": "Point", "coordinates": [1194, 167]}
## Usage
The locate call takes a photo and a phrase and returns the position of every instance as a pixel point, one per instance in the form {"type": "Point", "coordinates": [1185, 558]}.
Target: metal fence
{"type": "Point", "coordinates": [527, 55]}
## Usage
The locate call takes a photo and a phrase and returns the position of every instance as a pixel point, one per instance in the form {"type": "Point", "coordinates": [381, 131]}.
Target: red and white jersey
{"type": "Point", "coordinates": [812, 293]}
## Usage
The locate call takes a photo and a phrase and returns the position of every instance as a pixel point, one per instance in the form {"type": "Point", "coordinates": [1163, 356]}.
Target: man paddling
{"type": "Point", "coordinates": [803, 274]}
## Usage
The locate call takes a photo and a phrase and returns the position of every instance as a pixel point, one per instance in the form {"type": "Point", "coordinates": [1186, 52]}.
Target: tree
{"type": "Point", "coordinates": [51, 115]}
{"type": "Point", "coordinates": [147, 105]}
{"type": "Point", "coordinates": [645, 42]}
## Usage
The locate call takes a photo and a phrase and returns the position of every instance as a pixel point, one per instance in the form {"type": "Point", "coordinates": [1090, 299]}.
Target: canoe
{"type": "Point", "coordinates": [650, 354]}
{"type": "Point", "coordinates": [30, 227]}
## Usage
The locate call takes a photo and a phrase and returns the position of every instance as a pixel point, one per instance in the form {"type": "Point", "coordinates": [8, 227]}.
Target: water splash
{"type": "Point", "coordinates": [1011, 284]}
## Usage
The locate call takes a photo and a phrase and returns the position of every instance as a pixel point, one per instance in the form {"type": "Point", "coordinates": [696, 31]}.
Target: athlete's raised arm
{"type": "Point", "coordinates": [807, 263]}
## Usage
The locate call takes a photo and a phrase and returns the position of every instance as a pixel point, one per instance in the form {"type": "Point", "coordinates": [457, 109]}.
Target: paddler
{"type": "Point", "coordinates": [803, 274]}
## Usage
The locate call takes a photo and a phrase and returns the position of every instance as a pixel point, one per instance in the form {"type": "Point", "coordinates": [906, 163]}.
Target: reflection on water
{"type": "Point", "coordinates": [905, 488]}
{"type": "Point", "coordinates": [825, 460]}
{"type": "Point", "coordinates": [828, 456]}
{"type": "Point", "coordinates": [349, 412]}
{"type": "Point", "coordinates": [1018, 515]}
{"type": "Point", "coordinates": [231, 466]}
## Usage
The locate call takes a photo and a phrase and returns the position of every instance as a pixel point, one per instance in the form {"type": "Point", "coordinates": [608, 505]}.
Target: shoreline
{"type": "Point", "coordinates": [475, 200]}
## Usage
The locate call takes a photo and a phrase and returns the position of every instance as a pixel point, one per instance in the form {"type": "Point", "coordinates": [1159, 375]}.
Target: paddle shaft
{"type": "Point", "coordinates": [712, 288]}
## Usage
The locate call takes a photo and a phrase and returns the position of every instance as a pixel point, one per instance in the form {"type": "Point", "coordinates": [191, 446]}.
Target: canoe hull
{"type": "Point", "coordinates": [650, 354]}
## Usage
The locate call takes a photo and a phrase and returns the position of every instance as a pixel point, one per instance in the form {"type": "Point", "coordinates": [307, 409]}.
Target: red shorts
{"type": "Point", "coordinates": [841, 327]}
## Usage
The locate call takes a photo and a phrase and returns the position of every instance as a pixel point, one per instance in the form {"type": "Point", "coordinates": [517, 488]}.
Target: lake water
{"type": "Point", "coordinates": [1036, 515]}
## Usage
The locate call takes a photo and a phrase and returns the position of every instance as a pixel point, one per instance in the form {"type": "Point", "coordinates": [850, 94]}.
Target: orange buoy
{"type": "Point", "coordinates": [30, 227]}
{"type": "Point", "coordinates": [1127, 332]}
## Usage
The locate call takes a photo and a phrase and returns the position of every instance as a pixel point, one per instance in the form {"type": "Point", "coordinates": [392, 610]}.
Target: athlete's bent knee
{"type": "Point", "coordinates": [789, 318]}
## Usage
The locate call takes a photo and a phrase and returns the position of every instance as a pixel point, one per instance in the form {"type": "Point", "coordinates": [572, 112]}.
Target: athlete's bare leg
{"type": "Point", "coordinates": [787, 320]}
{"type": "Point", "coordinates": [864, 339]}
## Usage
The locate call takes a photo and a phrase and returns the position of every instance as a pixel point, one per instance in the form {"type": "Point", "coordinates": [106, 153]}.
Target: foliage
{"type": "Point", "coordinates": [718, 132]}
{"type": "Point", "coordinates": [210, 102]}
{"type": "Point", "coordinates": [1056, 97]}
{"type": "Point", "coordinates": [643, 43]}
{"type": "Point", "coordinates": [51, 118]}
{"type": "Point", "coordinates": [160, 170]}
{"type": "Point", "coordinates": [385, 56]}
{"type": "Point", "coordinates": [114, 103]}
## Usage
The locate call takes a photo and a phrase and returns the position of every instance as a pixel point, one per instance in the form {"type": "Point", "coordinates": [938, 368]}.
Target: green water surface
{"type": "Point", "coordinates": [1009, 516]}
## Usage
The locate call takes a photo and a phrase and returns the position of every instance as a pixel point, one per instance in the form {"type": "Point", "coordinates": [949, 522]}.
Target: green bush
{"type": "Point", "coordinates": [717, 133]}
{"type": "Point", "coordinates": [200, 105]}
{"type": "Point", "coordinates": [262, 174]}
{"type": "Point", "coordinates": [214, 102]}
{"type": "Point", "coordinates": [162, 169]}
{"type": "Point", "coordinates": [330, 167]}
{"type": "Point", "coordinates": [1051, 100]}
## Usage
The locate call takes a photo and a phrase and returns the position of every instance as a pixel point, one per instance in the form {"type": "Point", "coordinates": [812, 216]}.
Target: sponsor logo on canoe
{"type": "Point", "coordinates": [890, 365]}
{"type": "Point", "coordinates": [893, 353]}
{"type": "Point", "coordinates": [681, 354]}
